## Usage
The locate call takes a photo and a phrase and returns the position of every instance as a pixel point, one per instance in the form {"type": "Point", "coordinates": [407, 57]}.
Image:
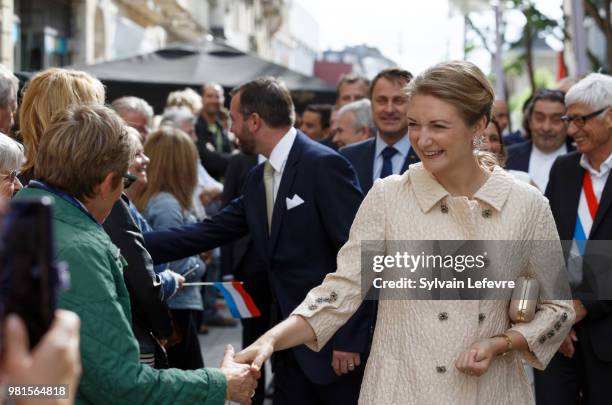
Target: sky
{"type": "Point", "coordinates": [414, 33]}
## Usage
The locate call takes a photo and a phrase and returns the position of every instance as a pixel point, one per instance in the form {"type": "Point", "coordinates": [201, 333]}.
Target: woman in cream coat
{"type": "Point", "coordinates": [442, 352]}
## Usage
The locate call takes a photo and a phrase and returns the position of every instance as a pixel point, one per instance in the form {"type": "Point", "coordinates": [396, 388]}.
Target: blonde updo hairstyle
{"type": "Point", "coordinates": [46, 94]}
{"type": "Point", "coordinates": [185, 98]}
{"type": "Point", "coordinates": [463, 85]}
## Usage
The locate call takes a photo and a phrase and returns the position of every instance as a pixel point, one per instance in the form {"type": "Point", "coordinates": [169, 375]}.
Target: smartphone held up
{"type": "Point", "coordinates": [29, 277]}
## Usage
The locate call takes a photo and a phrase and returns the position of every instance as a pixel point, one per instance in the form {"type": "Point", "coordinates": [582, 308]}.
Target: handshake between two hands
{"type": "Point", "coordinates": [242, 370]}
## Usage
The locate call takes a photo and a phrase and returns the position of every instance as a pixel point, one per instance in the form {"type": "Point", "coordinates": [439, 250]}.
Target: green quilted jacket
{"type": "Point", "coordinates": [112, 373]}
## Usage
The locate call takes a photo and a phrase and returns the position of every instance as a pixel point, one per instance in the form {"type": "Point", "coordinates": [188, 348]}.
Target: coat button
{"type": "Point", "coordinates": [333, 296]}
{"type": "Point", "coordinates": [319, 300]}
{"type": "Point", "coordinates": [444, 208]}
{"type": "Point", "coordinates": [443, 316]}
{"type": "Point", "coordinates": [542, 339]}
{"type": "Point", "coordinates": [441, 369]}
{"type": "Point", "coordinates": [486, 213]}
{"type": "Point", "coordinates": [550, 333]}
{"type": "Point", "coordinates": [558, 325]}
{"type": "Point", "coordinates": [564, 317]}
{"type": "Point", "coordinates": [481, 317]}
{"type": "Point", "coordinates": [312, 307]}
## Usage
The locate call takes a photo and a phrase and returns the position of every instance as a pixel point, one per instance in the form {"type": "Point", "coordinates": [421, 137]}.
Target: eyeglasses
{"type": "Point", "coordinates": [11, 176]}
{"type": "Point", "coordinates": [128, 179]}
{"type": "Point", "coordinates": [580, 120]}
{"type": "Point", "coordinates": [549, 92]}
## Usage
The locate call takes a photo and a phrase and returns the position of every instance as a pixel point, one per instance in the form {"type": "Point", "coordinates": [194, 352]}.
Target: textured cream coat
{"type": "Point", "coordinates": [414, 348]}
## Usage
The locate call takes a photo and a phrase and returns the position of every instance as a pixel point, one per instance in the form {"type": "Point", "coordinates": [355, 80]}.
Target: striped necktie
{"type": "Point", "coordinates": [587, 209]}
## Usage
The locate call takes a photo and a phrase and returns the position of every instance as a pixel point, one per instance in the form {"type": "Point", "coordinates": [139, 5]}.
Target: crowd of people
{"type": "Point", "coordinates": [256, 192]}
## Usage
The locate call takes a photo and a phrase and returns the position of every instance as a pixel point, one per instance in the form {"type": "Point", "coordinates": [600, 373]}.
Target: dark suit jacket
{"type": "Point", "coordinates": [563, 191]}
{"type": "Point", "coordinates": [328, 142]}
{"type": "Point", "coordinates": [513, 138]}
{"type": "Point", "coordinates": [361, 156]}
{"type": "Point", "coordinates": [519, 155]}
{"type": "Point", "coordinates": [303, 243]}
{"type": "Point", "coordinates": [238, 257]}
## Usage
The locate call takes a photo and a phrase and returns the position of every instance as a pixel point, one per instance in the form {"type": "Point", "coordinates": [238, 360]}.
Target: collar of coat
{"type": "Point", "coordinates": [429, 192]}
{"type": "Point", "coordinates": [62, 210]}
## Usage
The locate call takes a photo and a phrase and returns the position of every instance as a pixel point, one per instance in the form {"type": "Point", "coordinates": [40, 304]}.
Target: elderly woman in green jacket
{"type": "Point", "coordinates": [82, 159]}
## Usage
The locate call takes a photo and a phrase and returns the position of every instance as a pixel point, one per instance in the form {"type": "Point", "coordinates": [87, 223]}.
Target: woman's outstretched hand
{"type": "Point", "coordinates": [291, 332]}
{"type": "Point", "coordinates": [257, 353]}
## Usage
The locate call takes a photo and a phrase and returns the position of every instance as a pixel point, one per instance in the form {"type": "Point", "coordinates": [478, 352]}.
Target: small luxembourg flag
{"type": "Point", "coordinates": [238, 301]}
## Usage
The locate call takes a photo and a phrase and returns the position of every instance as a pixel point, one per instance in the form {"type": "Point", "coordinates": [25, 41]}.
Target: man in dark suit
{"type": "Point", "coordinates": [548, 137]}
{"type": "Point", "coordinates": [580, 194]}
{"type": "Point", "coordinates": [389, 152]}
{"type": "Point", "coordinates": [241, 260]}
{"type": "Point", "coordinates": [298, 207]}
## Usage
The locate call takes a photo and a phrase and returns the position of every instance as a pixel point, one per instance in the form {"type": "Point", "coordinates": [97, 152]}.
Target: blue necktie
{"type": "Point", "coordinates": [387, 167]}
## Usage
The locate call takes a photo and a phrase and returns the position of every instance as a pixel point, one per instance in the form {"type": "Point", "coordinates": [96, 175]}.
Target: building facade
{"type": "Point", "coordinates": [36, 34]}
{"type": "Point", "coordinates": [363, 60]}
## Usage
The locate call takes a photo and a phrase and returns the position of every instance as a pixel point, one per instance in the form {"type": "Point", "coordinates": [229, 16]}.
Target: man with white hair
{"type": "Point", "coordinates": [354, 123]}
{"type": "Point", "coordinates": [136, 113]}
{"type": "Point", "coordinates": [580, 195]}
{"type": "Point", "coordinates": [8, 99]}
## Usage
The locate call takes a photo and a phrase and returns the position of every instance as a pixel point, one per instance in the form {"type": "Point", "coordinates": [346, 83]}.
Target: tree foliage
{"type": "Point", "coordinates": [601, 13]}
{"type": "Point", "coordinates": [537, 24]}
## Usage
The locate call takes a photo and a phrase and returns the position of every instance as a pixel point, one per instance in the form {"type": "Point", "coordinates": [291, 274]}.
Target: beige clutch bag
{"type": "Point", "coordinates": [524, 300]}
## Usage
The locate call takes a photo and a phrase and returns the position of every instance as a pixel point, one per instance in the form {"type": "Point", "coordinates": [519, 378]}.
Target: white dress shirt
{"type": "Point", "coordinates": [540, 164]}
{"type": "Point", "coordinates": [397, 161]}
{"type": "Point", "coordinates": [598, 178]}
{"type": "Point", "coordinates": [279, 155]}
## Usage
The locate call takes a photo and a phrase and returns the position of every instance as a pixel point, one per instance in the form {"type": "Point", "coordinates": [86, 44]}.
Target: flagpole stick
{"type": "Point", "coordinates": [202, 283]}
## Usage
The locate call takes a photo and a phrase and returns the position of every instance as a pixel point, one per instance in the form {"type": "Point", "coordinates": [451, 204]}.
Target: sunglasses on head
{"type": "Point", "coordinates": [557, 95]}
{"type": "Point", "coordinates": [128, 179]}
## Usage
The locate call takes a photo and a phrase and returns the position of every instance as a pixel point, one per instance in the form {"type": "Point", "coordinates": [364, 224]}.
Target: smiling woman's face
{"type": "Point", "coordinates": [491, 140]}
{"type": "Point", "coordinates": [438, 134]}
{"type": "Point", "coordinates": [139, 165]}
